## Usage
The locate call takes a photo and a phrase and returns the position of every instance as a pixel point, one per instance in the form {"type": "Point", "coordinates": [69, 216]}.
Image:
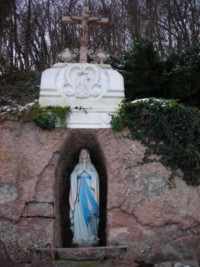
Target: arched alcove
{"type": "Point", "coordinates": [69, 155]}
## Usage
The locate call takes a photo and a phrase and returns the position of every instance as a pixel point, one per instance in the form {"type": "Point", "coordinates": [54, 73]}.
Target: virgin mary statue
{"type": "Point", "coordinates": [84, 201]}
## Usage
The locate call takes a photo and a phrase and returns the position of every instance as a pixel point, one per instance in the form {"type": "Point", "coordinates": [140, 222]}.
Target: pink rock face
{"type": "Point", "coordinates": [38, 209]}
{"type": "Point", "coordinates": [154, 221]}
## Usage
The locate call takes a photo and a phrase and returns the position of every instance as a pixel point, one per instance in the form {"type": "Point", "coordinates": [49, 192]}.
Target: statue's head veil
{"type": "Point", "coordinates": [88, 156]}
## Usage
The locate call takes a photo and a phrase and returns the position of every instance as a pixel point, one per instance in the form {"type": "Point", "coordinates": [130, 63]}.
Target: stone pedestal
{"type": "Point", "coordinates": [84, 253]}
{"type": "Point", "coordinates": [92, 91]}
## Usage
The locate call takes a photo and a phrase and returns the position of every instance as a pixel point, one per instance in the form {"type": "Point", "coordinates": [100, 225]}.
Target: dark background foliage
{"type": "Point", "coordinates": [32, 33]}
{"type": "Point", "coordinates": [148, 74]}
{"type": "Point", "coordinates": [156, 43]}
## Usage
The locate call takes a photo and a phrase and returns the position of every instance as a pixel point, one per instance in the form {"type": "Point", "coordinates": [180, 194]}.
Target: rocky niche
{"type": "Point", "coordinates": [69, 155]}
{"type": "Point", "coordinates": [138, 207]}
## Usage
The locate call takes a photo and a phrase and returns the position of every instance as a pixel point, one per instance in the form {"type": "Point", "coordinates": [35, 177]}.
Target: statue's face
{"type": "Point", "coordinates": [84, 153]}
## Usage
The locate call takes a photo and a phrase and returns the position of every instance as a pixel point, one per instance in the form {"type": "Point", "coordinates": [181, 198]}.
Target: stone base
{"type": "Point", "coordinates": [93, 92]}
{"type": "Point", "coordinates": [89, 119]}
{"type": "Point", "coordinates": [84, 253]}
{"type": "Point", "coordinates": [84, 245]}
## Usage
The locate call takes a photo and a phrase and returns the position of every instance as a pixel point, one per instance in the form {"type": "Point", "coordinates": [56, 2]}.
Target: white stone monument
{"type": "Point", "coordinates": [93, 91]}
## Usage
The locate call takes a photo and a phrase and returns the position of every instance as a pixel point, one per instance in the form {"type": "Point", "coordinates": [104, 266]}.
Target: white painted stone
{"type": "Point", "coordinates": [92, 91]}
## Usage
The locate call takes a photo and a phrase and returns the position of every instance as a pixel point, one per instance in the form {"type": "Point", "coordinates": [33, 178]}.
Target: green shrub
{"type": "Point", "coordinates": [46, 121]}
{"type": "Point", "coordinates": [47, 117]}
{"type": "Point", "coordinates": [173, 76]}
{"type": "Point", "coordinates": [61, 114]}
{"type": "Point", "coordinates": [141, 68]}
{"type": "Point", "coordinates": [168, 129]}
{"type": "Point", "coordinates": [181, 76]}
{"type": "Point", "coordinates": [21, 86]}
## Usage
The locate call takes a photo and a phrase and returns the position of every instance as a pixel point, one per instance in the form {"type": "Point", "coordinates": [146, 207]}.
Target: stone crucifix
{"type": "Point", "coordinates": [85, 20]}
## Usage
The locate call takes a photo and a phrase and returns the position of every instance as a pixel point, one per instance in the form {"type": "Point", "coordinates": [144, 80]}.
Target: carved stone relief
{"type": "Point", "coordinates": [82, 81]}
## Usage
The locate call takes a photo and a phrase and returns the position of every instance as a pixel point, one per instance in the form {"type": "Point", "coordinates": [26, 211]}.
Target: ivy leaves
{"type": "Point", "coordinates": [167, 128]}
{"type": "Point", "coordinates": [47, 117]}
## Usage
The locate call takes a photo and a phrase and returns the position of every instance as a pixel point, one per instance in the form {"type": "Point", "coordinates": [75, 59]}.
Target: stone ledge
{"type": "Point", "coordinates": [38, 209]}
{"type": "Point", "coordinates": [88, 253]}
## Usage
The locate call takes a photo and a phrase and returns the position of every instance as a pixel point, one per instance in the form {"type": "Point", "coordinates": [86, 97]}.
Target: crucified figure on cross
{"type": "Point", "coordinates": [85, 20]}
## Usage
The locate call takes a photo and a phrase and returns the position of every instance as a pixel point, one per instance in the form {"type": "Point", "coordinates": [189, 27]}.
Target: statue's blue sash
{"type": "Point", "coordinates": [85, 197]}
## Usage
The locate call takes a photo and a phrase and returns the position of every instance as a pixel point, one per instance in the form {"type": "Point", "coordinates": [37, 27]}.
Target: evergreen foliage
{"type": "Point", "coordinates": [168, 129]}
{"type": "Point", "coordinates": [142, 71]}
{"type": "Point", "coordinates": [181, 76]}
{"type": "Point", "coordinates": [47, 117]}
{"type": "Point", "coordinates": [21, 86]}
{"type": "Point", "coordinates": [147, 74]}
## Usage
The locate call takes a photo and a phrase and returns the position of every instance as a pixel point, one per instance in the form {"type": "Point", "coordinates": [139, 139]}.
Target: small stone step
{"type": "Point", "coordinates": [80, 254]}
{"type": "Point", "coordinates": [60, 263]}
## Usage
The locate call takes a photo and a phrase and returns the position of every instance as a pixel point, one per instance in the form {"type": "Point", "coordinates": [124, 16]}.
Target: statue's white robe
{"type": "Point", "coordinates": [84, 204]}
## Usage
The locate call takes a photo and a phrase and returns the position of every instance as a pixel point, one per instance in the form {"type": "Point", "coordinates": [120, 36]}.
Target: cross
{"type": "Point", "coordinates": [85, 20]}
